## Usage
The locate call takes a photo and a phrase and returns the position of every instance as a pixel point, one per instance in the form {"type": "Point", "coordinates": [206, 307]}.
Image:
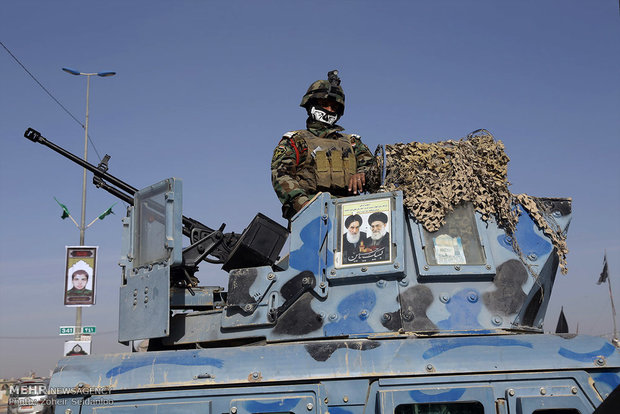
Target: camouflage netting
{"type": "Point", "coordinates": [436, 177]}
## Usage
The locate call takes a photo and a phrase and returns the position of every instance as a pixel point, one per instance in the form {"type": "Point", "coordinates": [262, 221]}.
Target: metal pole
{"type": "Point", "coordinates": [78, 310]}
{"type": "Point", "coordinates": [613, 309]}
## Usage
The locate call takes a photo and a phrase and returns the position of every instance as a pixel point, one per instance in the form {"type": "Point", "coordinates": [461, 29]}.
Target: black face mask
{"type": "Point", "coordinates": [323, 115]}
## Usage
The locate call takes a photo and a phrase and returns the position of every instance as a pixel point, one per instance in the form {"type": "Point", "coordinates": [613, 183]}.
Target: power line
{"type": "Point", "coordinates": [51, 96]}
{"type": "Point", "coordinates": [49, 337]}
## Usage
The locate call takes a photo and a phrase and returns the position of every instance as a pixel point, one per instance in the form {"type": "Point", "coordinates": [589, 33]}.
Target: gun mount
{"type": "Point", "coordinates": [212, 246]}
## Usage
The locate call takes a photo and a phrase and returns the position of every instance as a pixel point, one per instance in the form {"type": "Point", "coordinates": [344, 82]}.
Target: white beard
{"type": "Point", "coordinates": [376, 236]}
{"type": "Point", "coordinates": [353, 238]}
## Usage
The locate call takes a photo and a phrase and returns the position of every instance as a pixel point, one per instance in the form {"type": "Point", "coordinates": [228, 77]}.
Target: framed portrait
{"type": "Point", "coordinates": [80, 275]}
{"type": "Point", "coordinates": [364, 233]}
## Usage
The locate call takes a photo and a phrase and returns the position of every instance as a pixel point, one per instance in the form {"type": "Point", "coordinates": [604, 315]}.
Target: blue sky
{"type": "Point", "coordinates": [205, 89]}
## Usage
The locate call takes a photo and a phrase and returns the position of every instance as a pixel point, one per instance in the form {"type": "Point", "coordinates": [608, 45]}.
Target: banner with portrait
{"type": "Point", "coordinates": [80, 275]}
{"type": "Point", "coordinates": [364, 235]}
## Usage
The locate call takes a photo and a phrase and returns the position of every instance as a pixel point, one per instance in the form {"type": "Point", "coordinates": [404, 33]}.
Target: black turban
{"type": "Point", "coordinates": [351, 219]}
{"type": "Point", "coordinates": [378, 216]}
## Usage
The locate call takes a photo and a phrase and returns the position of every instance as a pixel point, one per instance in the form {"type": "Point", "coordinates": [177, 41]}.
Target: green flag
{"type": "Point", "coordinates": [107, 212]}
{"type": "Point", "coordinates": [65, 211]}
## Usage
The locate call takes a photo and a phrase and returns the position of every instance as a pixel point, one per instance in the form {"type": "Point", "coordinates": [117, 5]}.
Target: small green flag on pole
{"type": "Point", "coordinates": [65, 211]}
{"type": "Point", "coordinates": [107, 212]}
{"type": "Point", "coordinates": [102, 215]}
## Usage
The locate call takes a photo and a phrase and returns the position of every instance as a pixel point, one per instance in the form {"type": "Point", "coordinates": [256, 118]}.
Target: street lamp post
{"type": "Point", "coordinates": [78, 310]}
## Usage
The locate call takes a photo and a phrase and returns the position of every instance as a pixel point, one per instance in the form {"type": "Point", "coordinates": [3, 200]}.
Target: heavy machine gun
{"type": "Point", "coordinates": [259, 245]}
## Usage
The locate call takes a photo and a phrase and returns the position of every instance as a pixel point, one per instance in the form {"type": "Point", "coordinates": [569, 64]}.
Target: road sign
{"type": "Point", "coordinates": [67, 330]}
{"type": "Point", "coordinates": [71, 330]}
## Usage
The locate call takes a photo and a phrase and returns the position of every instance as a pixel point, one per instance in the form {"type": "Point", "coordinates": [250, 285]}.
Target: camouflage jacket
{"type": "Point", "coordinates": [294, 173]}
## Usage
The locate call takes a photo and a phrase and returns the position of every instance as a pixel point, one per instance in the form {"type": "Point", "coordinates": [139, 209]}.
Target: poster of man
{"type": "Point", "coordinates": [73, 348]}
{"type": "Point", "coordinates": [365, 233]}
{"type": "Point", "coordinates": [80, 276]}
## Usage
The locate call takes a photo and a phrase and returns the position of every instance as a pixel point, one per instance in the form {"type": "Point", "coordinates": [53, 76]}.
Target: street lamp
{"type": "Point", "coordinates": [78, 310]}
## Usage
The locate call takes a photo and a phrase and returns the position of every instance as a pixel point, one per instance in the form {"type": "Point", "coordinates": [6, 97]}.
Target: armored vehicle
{"type": "Point", "coordinates": [412, 321]}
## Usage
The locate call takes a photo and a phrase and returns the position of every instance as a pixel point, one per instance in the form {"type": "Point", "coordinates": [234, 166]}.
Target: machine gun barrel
{"type": "Point", "coordinates": [36, 136]}
{"type": "Point", "coordinates": [116, 186]}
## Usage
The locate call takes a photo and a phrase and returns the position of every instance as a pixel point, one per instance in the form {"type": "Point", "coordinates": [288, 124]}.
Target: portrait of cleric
{"type": "Point", "coordinates": [365, 238]}
{"type": "Point", "coordinates": [376, 247]}
{"type": "Point", "coordinates": [352, 239]}
{"type": "Point", "coordinates": [79, 279]}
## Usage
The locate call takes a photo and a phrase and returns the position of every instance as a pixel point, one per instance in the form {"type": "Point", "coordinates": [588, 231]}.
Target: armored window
{"type": "Point", "coordinates": [471, 407]}
{"type": "Point", "coordinates": [458, 248]}
{"type": "Point", "coordinates": [457, 242]}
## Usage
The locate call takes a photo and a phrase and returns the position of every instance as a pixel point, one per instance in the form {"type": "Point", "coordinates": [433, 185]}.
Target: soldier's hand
{"type": "Point", "coordinates": [357, 183]}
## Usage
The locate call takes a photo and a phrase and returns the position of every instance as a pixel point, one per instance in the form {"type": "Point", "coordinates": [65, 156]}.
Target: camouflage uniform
{"type": "Point", "coordinates": [302, 166]}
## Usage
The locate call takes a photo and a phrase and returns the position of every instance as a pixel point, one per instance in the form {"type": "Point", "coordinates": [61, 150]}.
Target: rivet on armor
{"type": "Point", "coordinates": [233, 410]}
{"type": "Point", "coordinates": [310, 406]}
{"type": "Point", "coordinates": [511, 392]}
{"type": "Point", "coordinates": [543, 391]}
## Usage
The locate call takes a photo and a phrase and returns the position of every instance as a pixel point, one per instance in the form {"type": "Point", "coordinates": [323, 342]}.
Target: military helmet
{"type": "Point", "coordinates": [325, 89]}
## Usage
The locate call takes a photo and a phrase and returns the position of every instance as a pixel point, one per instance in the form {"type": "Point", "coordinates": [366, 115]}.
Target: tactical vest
{"type": "Point", "coordinates": [329, 164]}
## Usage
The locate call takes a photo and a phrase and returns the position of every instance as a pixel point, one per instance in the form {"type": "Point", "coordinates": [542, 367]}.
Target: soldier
{"type": "Point", "coordinates": [319, 158]}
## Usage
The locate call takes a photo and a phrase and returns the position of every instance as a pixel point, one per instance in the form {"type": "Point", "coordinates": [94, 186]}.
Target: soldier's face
{"type": "Point", "coordinates": [79, 281]}
{"type": "Point", "coordinates": [328, 105]}
{"type": "Point", "coordinates": [354, 228]}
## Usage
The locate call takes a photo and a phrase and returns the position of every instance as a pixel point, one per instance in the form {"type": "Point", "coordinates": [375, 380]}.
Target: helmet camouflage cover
{"type": "Point", "coordinates": [325, 89]}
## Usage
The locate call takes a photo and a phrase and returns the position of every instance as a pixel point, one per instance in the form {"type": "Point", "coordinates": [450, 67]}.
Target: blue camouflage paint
{"type": "Point", "coordinates": [607, 378]}
{"type": "Point", "coordinates": [450, 395]}
{"type": "Point", "coordinates": [306, 257]}
{"type": "Point", "coordinates": [528, 240]}
{"type": "Point", "coordinates": [443, 345]}
{"type": "Point", "coordinates": [339, 410]}
{"type": "Point", "coordinates": [184, 359]}
{"type": "Point", "coordinates": [605, 351]}
{"type": "Point", "coordinates": [278, 406]}
{"type": "Point", "coordinates": [463, 312]}
{"type": "Point", "coordinates": [349, 309]}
